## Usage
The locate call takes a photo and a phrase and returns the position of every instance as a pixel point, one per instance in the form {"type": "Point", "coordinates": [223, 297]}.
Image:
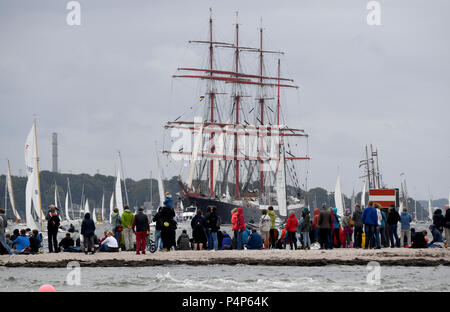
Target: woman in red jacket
{"type": "Point", "coordinates": [291, 227]}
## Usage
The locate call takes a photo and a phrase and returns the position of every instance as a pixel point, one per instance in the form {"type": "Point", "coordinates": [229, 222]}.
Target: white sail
{"type": "Point", "coordinates": [430, 210]}
{"type": "Point", "coordinates": [160, 183]}
{"type": "Point", "coordinates": [281, 187]}
{"type": "Point", "coordinates": [119, 201]}
{"type": "Point", "coordinates": [32, 189]}
{"type": "Point", "coordinates": [94, 215]}
{"type": "Point", "coordinates": [67, 207]}
{"type": "Point", "coordinates": [11, 194]}
{"type": "Point", "coordinates": [103, 206]}
{"type": "Point", "coordinates": [86, 206]}
{"type": "Point", "coordinates": [111, 207]}
{"type": "Point", "coordinates": [338, 197]}
{"type": "Point", "coordinates": [363, 195]}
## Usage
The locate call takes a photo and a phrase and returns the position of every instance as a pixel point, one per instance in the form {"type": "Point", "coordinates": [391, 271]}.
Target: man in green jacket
{"type": "Point", "coordinates": [273, 217]}
{"type": "Point", "coordinates": [127, 222]}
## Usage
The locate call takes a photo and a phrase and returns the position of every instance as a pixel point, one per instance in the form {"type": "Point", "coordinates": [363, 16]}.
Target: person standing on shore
{"type": "Point", "coordinates": [127, 223]}
{"type": "Point", "coordinates": [140, 227]}
{"type": "Point", "coordinates": [439, 220]}
{"type": "Point", "coordinates": [158, 228]}
{"type": "Point", "coordinates": [347, 224]}
{"type": "Point", "coordinates": [447, 224]}
{"type": "Point", "coordinates": [405, 230]}
{"type": "Point", "coordinates": [336, 227]}
{"type": "Point", "coordinates": [291, 228]}
{"type": "Point", "coordinates": [324, 228]}
{"type": "Point", "coordinates": [52, 228]}
{"type": "Point", "coordinates": [357, 219]}
{"type": "Point", "coordinates": [238, 225]}
{"type": "Point", "coordinates": [315, 225]}
{"type": "Point", "coordinates": [198, 224]}
{"type": "Point", "coordinates": [3, 226]}
{"type": "Point", "coordinates": [116, 224]}
{"type": "Point", "coordinates": [169, 228]}
{"type": "Point", "coordinates": [306, 228]}
{"type": "Point", "coordinates": [392, 221]}
{"type": "Point", "coordinates": [213, 223]}
{"type": "Point", "coordinates": [207, 231]}
{"type": "Point", "coordinates": [273, 218]}
{"type": "Point", "coordinates": [265, 224]}
{"type": "Point", "coordinates": [88, 232]}
{"type": "Point", "coordinates": [370, 221]}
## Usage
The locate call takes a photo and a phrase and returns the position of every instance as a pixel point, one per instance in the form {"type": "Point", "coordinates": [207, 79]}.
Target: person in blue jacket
{"type": "Point", "coordinates": [168, 202]}
{"type": "Point", "coordinates": [22, 242]}
{"type": "Point", "coordinates": [438, 241]}
{"type": "Point", "coordinates": [245, 235]}
{"type": "Point", "coordinates": [226, 241]}
{"type": "Point", "coordinates": [370, 221]}
{"type": "Point", "coordinates": [254, 241]}
{"type": "Point", "coordinates": [405, 229]}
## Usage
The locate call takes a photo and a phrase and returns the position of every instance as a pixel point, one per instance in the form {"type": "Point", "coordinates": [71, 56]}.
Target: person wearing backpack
{"type": "Point", "coordinates": [264, 228]}
{"type": "Point", "coordinates": [198, 225]}
{"type": "Point", "coordinates": [213, 221]}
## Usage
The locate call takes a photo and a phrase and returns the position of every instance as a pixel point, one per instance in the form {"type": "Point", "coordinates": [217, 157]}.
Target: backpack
{"type": "Point", "coordinates": [351, 223]}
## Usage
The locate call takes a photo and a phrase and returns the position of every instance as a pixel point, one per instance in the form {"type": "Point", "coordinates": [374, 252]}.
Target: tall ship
{"type": "Point", "coordinates": [236, 148]}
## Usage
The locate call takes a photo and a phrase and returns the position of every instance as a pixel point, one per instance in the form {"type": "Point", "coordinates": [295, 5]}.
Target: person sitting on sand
{"type": "Point", "coordinates": [35, 241]}
{"type": "Point", "coordinates": [419, 240]}
{"type": "Point", "coordinates": [21, 243]}
{"type": "Point", "coordinates": [254, 241]}
{"type": "Point", "coordinates": [109, 244]}
{"type": "Point", "coordinates": [183, 241]}
{"type": "Point", "coordinates": [226, 241]}
{"type": "Point", "coordinates": [66, 243]}
{"type": "Point", "coordinates": [438, 241]}
{"type": "Point", "coordinates": [105, 236]}
{"type": "Point", "coordinates": [15, 234]}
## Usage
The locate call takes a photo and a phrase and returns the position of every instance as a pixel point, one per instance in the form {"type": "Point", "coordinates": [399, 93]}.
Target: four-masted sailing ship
{"type": "Point", "coordinates": [240, 143]}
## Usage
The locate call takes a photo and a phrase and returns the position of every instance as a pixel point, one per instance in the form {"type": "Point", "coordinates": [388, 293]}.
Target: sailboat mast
{"type": "Point", "coordinates": [236, 98]}
{"type": "Point", "coordinates": [211, 101]}
{"type": "Point", "coordinates": [38, 177]}
{"type": "Point", "coordinates": [378, 169]}
{"type": "Point", "coordinates": [261, 103]}
{"type": "Point", "coordinates": [6, 196]}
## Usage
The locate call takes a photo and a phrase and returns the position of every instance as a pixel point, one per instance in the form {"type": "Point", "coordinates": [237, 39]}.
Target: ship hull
{"type": "Point", "coordinates": [223, 209]}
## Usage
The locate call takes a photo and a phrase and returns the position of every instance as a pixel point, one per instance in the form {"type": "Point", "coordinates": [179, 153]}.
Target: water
{"type": "Point", "coordinates": [224, 278]}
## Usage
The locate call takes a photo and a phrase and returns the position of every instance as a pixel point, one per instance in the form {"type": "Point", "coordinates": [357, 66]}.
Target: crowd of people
{"type": "Point", "coordinates": [374, 227]}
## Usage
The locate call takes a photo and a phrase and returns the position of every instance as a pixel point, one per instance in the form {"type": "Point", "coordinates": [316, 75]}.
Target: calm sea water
{"type": "Point", "coordinates": [224, 278]}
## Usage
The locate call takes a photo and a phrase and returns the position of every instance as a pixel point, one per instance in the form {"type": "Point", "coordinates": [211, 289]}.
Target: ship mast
{"type": "Point", "coordinates": [261, 103]}
{"type": "Point", "coordinates": [236, 100]}
{"type": "Point", "coordinates": [211, 101]}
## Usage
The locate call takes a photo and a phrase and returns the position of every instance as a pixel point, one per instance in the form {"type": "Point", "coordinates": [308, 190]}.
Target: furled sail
{"type": "Point", "coordinates": [11, 194]}
{"type": "Point", "coordinates": [338, 197]}
{"type": "Point", "coordinates": [32, 190]}
{"type": "Point", "coordinates": [67, 206]}
{"type": "Point", "coordinates": [281, 187]}
{"type": "Point", "coordinates": [119, 201]}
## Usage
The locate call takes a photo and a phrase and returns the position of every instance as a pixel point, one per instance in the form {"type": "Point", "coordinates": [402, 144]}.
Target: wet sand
{"type": "Point", "coordinates": [388, 256]}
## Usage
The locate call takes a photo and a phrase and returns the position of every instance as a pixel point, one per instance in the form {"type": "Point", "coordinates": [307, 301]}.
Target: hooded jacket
{"type": "Point", "coordinates": [306, 224]}
{"type": "Point", "coordinates": [87, 226]}
{"type": "Point", "coordinates": [183, 242]}
{"type": "Point", "coordinates": [393, 217]}
{"type": "Point", "coordinates": [273, 218]}
{"type": "Point", "coordinates": [315, 222]}
{"type": "Point", "coordinates": [437, 236]}
{"type": "Point", "coordinates": [336, 219]}
{"type": "Point", "coordinates": [127, 218]}
{"type": "Point", "coordinates": [141, 222]}
{"type": "Point", "coordinates": [238, 218]}
{"type": "Point", "coordinates": [325, 219]}
{"type": "Point", "coordinates": [116, 221]}
{"type": "Point", "coordinates": [292, 223]}
{"type": "Point", "coordinates": [357, 217]}
{"type": "Point", "coordinates": [53, 223]}
{"type": "Point", "coordinates": [254, 241]}
{"type": "Point", "coordinates": [438, 219]}
{"type": "Point", "coordinates": [370, 216]}
{"type": "Point", "coordinates": [168, 202]}
{"type": "Point", "coordinates": [405, 220]}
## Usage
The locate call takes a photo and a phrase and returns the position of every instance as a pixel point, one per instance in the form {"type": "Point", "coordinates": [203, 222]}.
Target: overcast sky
{"type": "Point", "coordinates": [106, 85]}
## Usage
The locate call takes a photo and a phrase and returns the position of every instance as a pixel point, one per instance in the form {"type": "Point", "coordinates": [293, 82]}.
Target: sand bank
{"type": "Point", "coordinates": [388, 256]}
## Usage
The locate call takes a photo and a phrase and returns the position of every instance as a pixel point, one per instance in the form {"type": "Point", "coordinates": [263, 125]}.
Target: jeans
{"type": "Point", "coordinates": [393, 233]}
{"type": "Point", "coordinates": [238, 240]}
{"type": "Point", "coordinates": [52, 242]}
{"type": "Point", "coordinates": [272, 237]}
{"type": "Point", "coordinates": [158, 240]}
{"type": "Point", "coordinates": [324, 238]}
{"type": "Point", "coordinates": [358, 237]}
{"type": "Point", "coordinates": [103, 247]}
{"type": "Point", "coordinates": [316, 234]}
{"type": "Point", "coordinates": [383, 237]}
{"type": "Point", "coordinates": [117, 235]}
{"type": "Point", "coordinates": [369, 229]}
{"type": "Point", "coordinates": [4, 243]}
{"type": "Point", "coordinates": [292, 239]}
{"type": "Point", "coordinates": [377, 237]}
{"type": "Point", "coordinates": [336, 234]}
{"type": "Point", "coordinates": [306, 240]}
{"type": "Point", "coordinates": [215, 242]}
{"type": "Point", "coordinates": [209, 238]}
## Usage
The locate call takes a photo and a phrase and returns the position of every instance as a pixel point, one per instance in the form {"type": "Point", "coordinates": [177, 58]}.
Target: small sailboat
{"type": "Point", "coordinates": [9, 191]}
{"type": "Point", "coordinates": [338, 199]}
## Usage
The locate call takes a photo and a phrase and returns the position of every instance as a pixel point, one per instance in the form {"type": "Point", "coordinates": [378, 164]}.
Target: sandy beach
{"type": "Point", "coordinates": [389, 257]}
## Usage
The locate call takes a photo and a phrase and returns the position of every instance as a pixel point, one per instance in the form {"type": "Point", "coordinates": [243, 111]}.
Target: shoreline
{"type": "Point", "coordinates": [387, 257]}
